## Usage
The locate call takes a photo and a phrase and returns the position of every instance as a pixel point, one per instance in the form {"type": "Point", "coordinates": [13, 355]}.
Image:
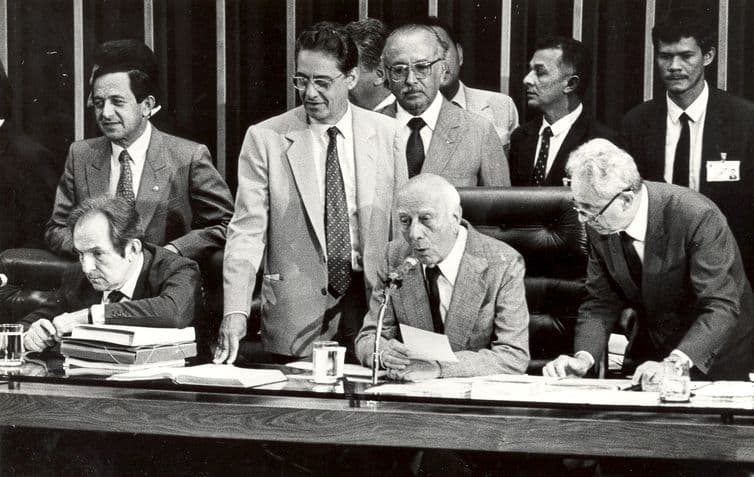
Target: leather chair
{"type": "Point", "coordinates": [541, 224]}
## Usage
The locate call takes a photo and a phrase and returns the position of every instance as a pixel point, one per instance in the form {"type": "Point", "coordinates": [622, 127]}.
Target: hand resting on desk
{"type": "Point", "coordinates": [43, 333]}
{"type": "Point", "coordinates": [564, 365]}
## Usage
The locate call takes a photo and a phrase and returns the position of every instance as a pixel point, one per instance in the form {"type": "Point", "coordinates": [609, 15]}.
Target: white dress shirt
{"type": "Point", "coordinates": [138, 153]}
{"type": "Point", "coordinates": [697, 111]}
{"type": "Point", "coordinates": [389, 99]}
{"type": "Point", "coordinates": [449, 271]}
{"type": "Point", "coordinates": [345, 145]}
{"type": "Point", "coordinates": [98, 311]}
{"type": "Point", "coordinates": [429, 116]}
{"type": "Point", "coordinates": [559, 132]}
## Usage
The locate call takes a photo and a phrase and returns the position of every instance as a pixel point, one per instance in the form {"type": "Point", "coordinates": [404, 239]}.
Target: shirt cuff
{"type": "Point", "coordinates": [98, 314]}
{"type": "Point", "coordinates": [586, 355]}
{"type": "Point", "coordinates": [683, 356]}
{"type": "Point", "coordinates": [236, 312]}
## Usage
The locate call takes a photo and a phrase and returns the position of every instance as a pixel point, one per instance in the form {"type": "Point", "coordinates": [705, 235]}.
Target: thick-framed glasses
{"type": "Point", "coordinates": [590, 217]}
{"type": "Point", "coordinates": [422, 69]}
{"type": "Point", "coordinates": [321, 83]}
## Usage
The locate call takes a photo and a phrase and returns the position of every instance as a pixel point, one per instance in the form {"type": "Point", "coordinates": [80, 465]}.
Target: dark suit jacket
{"type": "Point", "coordinates": [524, 140]}
{"type": "Point", "coordinates": [729, 128]}
{"type": "Point", "coordinates": [487, 322]}
{"type": "Point", "coordinates": [27, 189]}
{"type": "Point", "coordinates": [465, 148]}
{"type": "Point", "coordinates": [182, 198]}
{"type": "Point", "coordinates": [167, 294]}
{"type": "Point", "coordinates": [694, 294]}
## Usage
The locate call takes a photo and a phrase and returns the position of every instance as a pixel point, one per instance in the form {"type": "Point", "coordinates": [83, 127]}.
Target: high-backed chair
{"type": "Point", "coordinates": [541, 224]}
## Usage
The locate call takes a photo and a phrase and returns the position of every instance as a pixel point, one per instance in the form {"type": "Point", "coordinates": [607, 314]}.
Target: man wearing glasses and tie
{"type": "Point", "coordinates": [666, 252]}
{"type": "Point", "coordinates": [443, 139]}
{"type": "Point", "coordinates": [315, 191]}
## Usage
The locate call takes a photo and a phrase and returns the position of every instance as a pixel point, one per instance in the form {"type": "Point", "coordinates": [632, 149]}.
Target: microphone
{"type": "Point", "coordinates": [395, 278]}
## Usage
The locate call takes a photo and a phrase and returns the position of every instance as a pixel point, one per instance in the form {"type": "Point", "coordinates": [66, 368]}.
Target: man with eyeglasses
{"type": "Point", "coordinates": [666, 252]}
{"type": "Point", "coordinates": [315, 191]}
{"type": "Point", "coordinates": [443, 139]}
{"type": "Point", "coordinates": [559, 73]}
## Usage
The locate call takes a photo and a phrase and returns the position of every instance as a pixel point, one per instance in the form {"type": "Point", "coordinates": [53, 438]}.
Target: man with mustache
{"type": "Point", "coordinates": [443, 139]}
{"type": "Point", "coordinates": [558, 75]}
{"type": "Point", "coordinates": [121, 280]}
{"type": "Point", "coordinates": [696, 135]}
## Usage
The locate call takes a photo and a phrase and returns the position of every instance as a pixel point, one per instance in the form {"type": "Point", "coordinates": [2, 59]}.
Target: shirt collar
{"type": "Point", "coordinates": [637, 229]}
{"type": "Point", "coordinates": [695, 110]}
{"type": "Point", "coordinates": [460, 97]}
{"type": "Point", "coordinates": [563, 124]}
{"type": "Point", "coordinates": [449, 265]}
{"type": "Point", "coordinates": [138, 149]}
{"type": "Point", "coordinates": [344, 125]}
{"type": "Point", "coordinates": [2, 121]}
{"type": "Point", "coordinates": [429, 116]}
{"type": "Point", "coordinates": [389, 99]}
{"type": "Point", "coordinates": [130, 285]}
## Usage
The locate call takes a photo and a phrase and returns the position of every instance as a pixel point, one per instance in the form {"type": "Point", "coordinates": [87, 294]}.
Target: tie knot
{"type": "Point", "coordinates": [547, 132]}
{"type": "Point", "coordinates": [124, 156]}
{"type": "Point", "coordinates": [625, 237]}
{"type": "Point", "coordinates": [115, 296]}
{"type": "Point", "coordinates": [416, 124]}
{"type": "Point", "coordinates": [684, 118]}
{"type": "Point", "coordinates": [433, 273]}
{"type": "Point", "coordinates": [332, 133]}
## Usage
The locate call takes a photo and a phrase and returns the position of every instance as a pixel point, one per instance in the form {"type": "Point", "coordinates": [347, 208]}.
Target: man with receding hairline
{"type": "Point", "coordinates": [467, 286]}
{"type": "Point", "coordinates": [371, 90]}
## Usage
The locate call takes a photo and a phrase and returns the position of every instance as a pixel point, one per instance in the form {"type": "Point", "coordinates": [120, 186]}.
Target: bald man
{"type": "Point", "coordinates": [467, 286]}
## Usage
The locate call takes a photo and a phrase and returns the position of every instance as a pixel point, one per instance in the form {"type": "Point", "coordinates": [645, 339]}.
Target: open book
{"type": "Point", "coordinates": [208, 375]}
{"type": "Point", "coordinates": [133, 335]}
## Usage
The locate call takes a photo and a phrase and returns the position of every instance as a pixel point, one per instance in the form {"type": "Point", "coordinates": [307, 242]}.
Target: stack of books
{"type": "Point", "coordinates": [111, 349]}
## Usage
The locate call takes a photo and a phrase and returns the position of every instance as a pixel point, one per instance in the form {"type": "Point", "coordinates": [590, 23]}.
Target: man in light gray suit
{"type": "Point", "coordinates": [468, 286]}
{"type": "Point", "coordinates": [315, 192]}
{"type": "Point", "coordinates": [442, 138]}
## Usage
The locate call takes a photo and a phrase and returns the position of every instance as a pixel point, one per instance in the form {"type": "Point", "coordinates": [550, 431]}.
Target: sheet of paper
{"type": "Point", "coordinates": [348, 369]}
{"type": "Point", "coordinates": [426, 345]}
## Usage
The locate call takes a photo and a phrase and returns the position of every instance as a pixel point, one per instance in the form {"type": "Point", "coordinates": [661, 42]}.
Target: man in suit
{"type": "Point", "coordinates": [496, 107]}
{"type": "Point", "coordinates": [696, 135]}
{"type": "Point", "coordinates": [371, 91]}
{"type": "Point", "coordinates": [442, 138]}
{"type": "Point", "coordinates": [667, 252]}
{"type": "Point", "coordinates": [468, 286]}
{"type": "Point", "coordinates": [314, 200]}
{"type": "Point", "coordinates": [27, 180]}
{"type": "Point", "coordinates": [558, 76]}
{"type": "Point", "coordinates": [121, 280]}
{"type": "Point", "coordinates": [182, 201]}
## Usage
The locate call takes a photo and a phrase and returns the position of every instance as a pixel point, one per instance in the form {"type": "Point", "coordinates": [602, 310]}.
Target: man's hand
{"type": "Point", "coordinates": [171, 248]}
{"type": "Point", "coordinates": [65, 322]}
{"type": "Point", "coordinates": [41, 335]}
{"type": "Point", "coordinates": [649, 374]}
{"type": "Point", "coordinates": [416, 371]}
{"type": "Point", "coordinates": [564, 365]}
{"type": "Point", "coordinates": [232, 330]}
{"type": "Point", "coordinates": [394, 355]}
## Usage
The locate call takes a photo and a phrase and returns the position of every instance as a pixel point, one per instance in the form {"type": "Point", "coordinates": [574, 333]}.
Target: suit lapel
{"type": "Point", "coordinates": [656, 240]}
{"type": "Point", "coordinates": [620, 266]}
{"type": "Point", "coordinates": [529, 150]}
{"type": "Point", "coordinates": [365, 165]}
{"type": "Point", "coordinates": [655, 129]}
{"type": "Point", "coordinates": [468, 294]}
{"type": "Point", "coordinates": [714, 132]}
{"type": "Point", "coordinates": [299, 156]}
{"type": "Point", "coordinates": [471, 100]}
{"type": "Point", "coordinates": [413, 298]}
{"type": "Point", "coordinates": [444, 138]}
{"type": "Point", "coordinates": [98, 169]}
{"type": "Point", "coordinates": [573, 139]}
{"type": "Point", "coordinates": [154, 179]}
{"type": "Point", "coordinates": [141, 290]}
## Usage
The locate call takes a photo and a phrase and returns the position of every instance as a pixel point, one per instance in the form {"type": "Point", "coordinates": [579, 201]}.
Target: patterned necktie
{"type": "Point", "coordinates": [433, 273]}
{"type": "Point", "coordinates": [681, 162]}
{"type": "Point", "coordinates": [115, 296]}
{"type": "Point", "coordinates": [125, 181]}
{"type": "Point", "coordinates": [632, 258]}
{"type": "Point", "coordinates": [415, 147]}
{"type": "Point", "coordinates": [540, 167]}
{"type": "Point", "coordinates": [337, 233]}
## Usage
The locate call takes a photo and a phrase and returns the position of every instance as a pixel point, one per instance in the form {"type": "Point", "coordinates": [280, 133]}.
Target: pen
{"type": "Point", "coordinates": [633, 387]}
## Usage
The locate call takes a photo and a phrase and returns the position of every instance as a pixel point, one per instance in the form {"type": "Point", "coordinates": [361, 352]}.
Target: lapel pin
{"type": "Point", "coordinates": [156, 188]}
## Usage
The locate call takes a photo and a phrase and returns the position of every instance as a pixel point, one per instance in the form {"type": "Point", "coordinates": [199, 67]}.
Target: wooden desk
{"type": "Point", "coordinates": [335, 420]}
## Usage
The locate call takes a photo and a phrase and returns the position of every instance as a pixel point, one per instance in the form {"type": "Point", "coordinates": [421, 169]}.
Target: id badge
{"type": "Point", "coordinates": [723, 171]}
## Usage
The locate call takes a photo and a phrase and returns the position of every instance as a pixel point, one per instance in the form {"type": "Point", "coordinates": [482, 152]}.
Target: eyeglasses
{"type": "Point", "coordinates": [421, 70]}
{"type": "Point", "coordinates": [321, 83]}
{"type": "Point", "coordinates": [590, 217]}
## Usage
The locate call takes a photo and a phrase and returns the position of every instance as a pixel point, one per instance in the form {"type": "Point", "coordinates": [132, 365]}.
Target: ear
{"type": "Point", "coordinates": [352, 77]}
{"type": "Point", "coordinates": [458, 214]}
{"type": "Point", "coordinates": [460, 54]}
{"type": "Point", "coordinates": [709, 56]}
{"type": "Point", "coordinates": [444, 72]}
{"type": "Point", "coordinates": [133, 248]}
{"type": "Point", "coordinates": [379, 76]}
{"type": "Point", "coordinates": [572, 84]}
{"type": "Point", "coordinates": [147, 104]}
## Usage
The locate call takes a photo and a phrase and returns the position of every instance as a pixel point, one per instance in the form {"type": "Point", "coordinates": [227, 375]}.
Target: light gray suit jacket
{"type": "Point", "coordinates": [487, 322]}
{"type": "Point", "coordinates": [465, 148]}
{"type": "Point", "coordinates": [279, 223]}
{"type": "Point", "coordinates": [497, 108]}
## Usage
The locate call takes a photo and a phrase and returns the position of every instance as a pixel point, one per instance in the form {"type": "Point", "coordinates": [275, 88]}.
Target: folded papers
{"type": "Point", "coordinates": [208, 375]}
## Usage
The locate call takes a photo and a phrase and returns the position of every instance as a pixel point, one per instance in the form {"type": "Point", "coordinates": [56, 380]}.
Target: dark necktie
{"type": "Point", "coordinates": [115, 296]}
{"type": "Point", "coordinates": [337, 232]}
{"type": "Point", "coordinates": [632, 258]}
{"type": "Point", "coordinates": [540, 167]}
{"type": "Point", "coordinates": [125, 181]}
{"type": "Point", "coordinates": [433, 273]}
{"type": "Point", "coordinates": [415, 147]}
{"type": "Point", "coordinates": [682, 156]}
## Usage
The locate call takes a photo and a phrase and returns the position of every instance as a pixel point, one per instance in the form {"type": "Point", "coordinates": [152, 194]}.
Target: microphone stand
{"type": "Point", "coordinates": [394, 284]}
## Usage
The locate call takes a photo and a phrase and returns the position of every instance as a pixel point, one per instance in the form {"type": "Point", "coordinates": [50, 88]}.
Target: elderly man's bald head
{"type": "Point", "coordinates": [429, 211]}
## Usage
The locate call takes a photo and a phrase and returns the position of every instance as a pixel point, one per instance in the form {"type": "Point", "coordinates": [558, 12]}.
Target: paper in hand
{"type": "Point", "coordinates": [426, 345]}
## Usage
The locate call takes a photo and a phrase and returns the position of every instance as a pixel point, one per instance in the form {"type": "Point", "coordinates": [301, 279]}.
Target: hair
{"type": "Point", "coordinates": [332, 39]}
{"type": "Point", "coordinates": [685, 23]}
{"type": "Point", "coordinates": [369, 35]}
{"type": "Point", "coordinates": [575, 55]}
{"type": "Point", "coordinates": [6, 95]}
{"type": "Point", "coordinates": [134, 58]}
{"type": "Point", "coordinates": [605, 168]}
{"type": "Point", "coordinates": [413, 27]}
{"type": "Point", "coordinates": [120, 214]}
{"type": "Point", "coordinates": [432, 186]}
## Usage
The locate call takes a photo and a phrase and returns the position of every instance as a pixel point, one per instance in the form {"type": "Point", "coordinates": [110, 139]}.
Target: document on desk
{"type": "Point", "coordinates": [426, 345]}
